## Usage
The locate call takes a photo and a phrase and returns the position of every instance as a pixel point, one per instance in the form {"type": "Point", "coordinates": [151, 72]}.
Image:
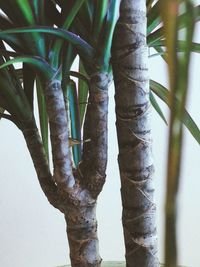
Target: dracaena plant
{"type": "Point", "coordinates": [37, 32]}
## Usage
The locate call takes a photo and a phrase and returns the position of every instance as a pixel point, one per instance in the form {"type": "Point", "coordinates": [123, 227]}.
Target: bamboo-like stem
{"type": "Point", "coordinates": [130, 70]}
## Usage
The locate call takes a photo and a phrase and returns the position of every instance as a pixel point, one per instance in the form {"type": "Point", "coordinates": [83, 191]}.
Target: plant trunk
{"type": "Point", "coordinates": [74, 192]}
{"type": "Point", "coordinates": [90, 176]}
{"type": "Point", "coordinates": [130, 70]}
{"type": "Point", "coordinates": [82, 232]}
{"type": "Point", "coordinates": [36, 149]}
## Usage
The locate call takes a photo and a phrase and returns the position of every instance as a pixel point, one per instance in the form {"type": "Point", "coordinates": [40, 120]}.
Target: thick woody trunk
{"type": "Point", "coordinates": [130, 60]}
{"type": "Point", "coordinates": [81, 222]}
{"type": "Point", "coordinates": [74, 192]}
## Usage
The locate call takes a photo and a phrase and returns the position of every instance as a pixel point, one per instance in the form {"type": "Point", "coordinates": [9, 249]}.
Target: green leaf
{"type": "Point", "coordinates": [158, 34]}
{"type": "Point", "coordinates": [99, 17]}
{"type": "Point", "coordinates": [26, 10]}
{"type": "Point", "coordinates": [111, 19]}
{"type": "Point", "coordinates": [13, 99]}
{"type": "Point", "coordinates": [20, 12]}
{"type": "Point", "coordinates": [163, 93]}
{"type": "Point", "coordinates": [181, 44]}
{"type": "Point", "coordinates": [28, 83]}
{"type": "Point", "coordinates": [83, 91]}
{"type": "Point", "coordinates": [40, 64]}
{"type": "Point", "coordinates": [71, 93]}
{"type": "Point", "coordinates": [153, 18]}
{"type": "Point", "coordinates": [72, 13]}
{"type": "Point", "coordinates": [84, 49]}
{"type": "Point", "coordinates": [42, 116]}
{"type": "Point", "coordinates": [157, 107]}
{"type": "Point", "coordinates": [67, 23]}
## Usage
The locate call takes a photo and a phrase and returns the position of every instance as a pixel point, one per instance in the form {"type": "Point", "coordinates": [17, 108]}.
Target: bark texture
{"type": "Point", "coordinates": [74, 192]}
{"type": "Point", "coordinates": [90, 177]}
{"type": "Point", "coordinates": [130, 70]}
{"type": "Point", "coordinates": [36, 149]}
{"type": "Point", "coordinates": [58, 121]}
{"type": "Point", "coordinates": [94, 162]}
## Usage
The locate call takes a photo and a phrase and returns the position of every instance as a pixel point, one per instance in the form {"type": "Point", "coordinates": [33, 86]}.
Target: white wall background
{"type": "Point", "coordinates": [32, 233]}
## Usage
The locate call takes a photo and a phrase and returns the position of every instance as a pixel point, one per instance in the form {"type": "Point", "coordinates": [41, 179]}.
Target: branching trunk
{"type": "Point", "coordinates": [130, 60]}
{"type": "Point", "coordinates": [90, 176]}
{"type": "Point", "coordinates": [74, 193]}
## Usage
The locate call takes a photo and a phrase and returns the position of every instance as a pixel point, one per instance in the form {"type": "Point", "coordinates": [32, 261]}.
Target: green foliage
{"type": "Point", "coordinates": [163, 94]}
{"type": "Point", "coordinates": [72, 96]}
{"type": "Point", "coordinates": [85, 28]}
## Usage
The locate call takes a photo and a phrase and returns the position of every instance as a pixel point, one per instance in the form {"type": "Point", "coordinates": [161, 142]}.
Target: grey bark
{"type": "Point", "coordinates": [130, 70]}
{"type": "Point", "coordinates": [58, 121]}
{"type": "Point", "coordinates": [74, 192]}
{"type": "Point", "coordinates": [90, 177]}
{"type": "Point", "coordinates": [36, 149]}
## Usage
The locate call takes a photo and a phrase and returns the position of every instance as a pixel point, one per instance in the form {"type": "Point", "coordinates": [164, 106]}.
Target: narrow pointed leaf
{"type": "Point", "coordinates": [163, 93]}
{"type": "Point", "coordinates": [112, 16]}
{"type": "Point", "coordinates": [157, 107]}
{"type": "Point", "coordinates": [82, 47]}
{"type": "Point", "coordinates": [28, 83]}
{"type": "Point", "coordinates": [37, 62]}
{"type": "Point", "coordinates": [99, 17]}
{"type": "Point", "coordinates": [75, 120]}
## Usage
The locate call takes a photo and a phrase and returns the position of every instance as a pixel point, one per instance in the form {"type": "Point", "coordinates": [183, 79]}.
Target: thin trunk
{"type": "Point", "coordinates": [58, 121]}
{"type": "Point", "coordinates": [36, 149]}
{"type": "Point", "coordinates": [130, 60]}
{"type": "Point", "coordinates": [93, 165]}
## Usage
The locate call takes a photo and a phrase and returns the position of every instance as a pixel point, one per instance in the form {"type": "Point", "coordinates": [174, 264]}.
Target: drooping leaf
{"type": "Point", "coordinates": [85, 50]}
{"type": "Point", "coordinates": [157, 107]}
{"type": "Point", "coordinates": [40, 64]}
{"type": "Point", "coordinates": [163, 93]}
